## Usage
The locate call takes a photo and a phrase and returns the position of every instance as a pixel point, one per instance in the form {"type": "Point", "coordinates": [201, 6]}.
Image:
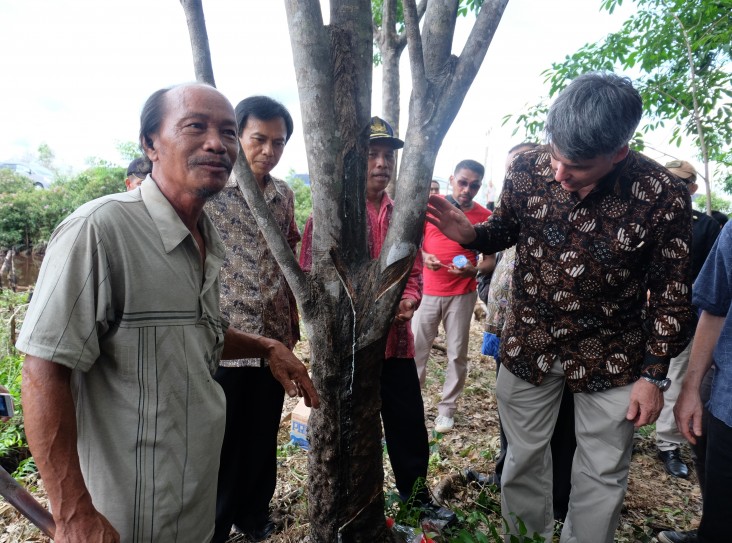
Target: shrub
{"type": "Point", "coordinates": [28, 216]}
{"type": "Point", "coordinates": [13, 444]}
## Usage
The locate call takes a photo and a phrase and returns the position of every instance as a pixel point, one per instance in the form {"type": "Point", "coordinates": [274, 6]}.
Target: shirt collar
{"type": "Point", "coordinates": [271, 187]}
{"type": "Point", "coordinates": [170, 226]}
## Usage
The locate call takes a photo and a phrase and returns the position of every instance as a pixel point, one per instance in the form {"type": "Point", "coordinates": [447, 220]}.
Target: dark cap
{"type": "Point", "coordinates": [381, 132]}
{"type": "Point", "coordinates": [682, 169]}
{"type": "Point", "coordinates": [139, 167]}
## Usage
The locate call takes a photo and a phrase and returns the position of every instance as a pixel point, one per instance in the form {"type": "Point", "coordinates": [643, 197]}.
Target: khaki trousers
{"type": "Point", "coordinates": [455, 313]}
{"type": "Point", "coordinates": [599, 468]}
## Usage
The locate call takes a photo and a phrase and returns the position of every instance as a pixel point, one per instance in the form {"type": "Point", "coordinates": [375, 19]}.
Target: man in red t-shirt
{"type": "Point", "coordinates": [450, 292]}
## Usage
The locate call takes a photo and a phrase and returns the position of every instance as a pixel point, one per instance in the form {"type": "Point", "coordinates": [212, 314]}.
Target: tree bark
{"type": "Point", "coordinates": [199, 41]}
{"type": "Point", "coordinates": [391, 44]}
{"type": "Point", "coordinates": [345, 312]}
{"type": "Point", "coordinates": [347, 301]}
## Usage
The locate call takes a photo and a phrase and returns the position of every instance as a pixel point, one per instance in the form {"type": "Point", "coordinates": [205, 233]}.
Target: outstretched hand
{"type": "Point", "coordinates": [450, 220]}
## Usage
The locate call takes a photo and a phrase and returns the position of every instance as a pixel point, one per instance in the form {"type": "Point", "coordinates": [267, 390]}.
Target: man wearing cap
{"type": "Point", "coordinates": [450, 292]}
{"type": "Point", "coordinates": [402, 410]}
{"type": "Point", "coordinates": [136, 172]}
{"type": "Point", "coordinates": [255, 297]}
{"type": "Point", "coordinates": [703, 235]}
{"type": "Point", "coordinates": [123, 416]}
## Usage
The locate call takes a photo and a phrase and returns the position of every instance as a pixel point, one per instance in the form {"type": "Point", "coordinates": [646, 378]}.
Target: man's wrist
{"type": "Point", "coordinates": [662, 384]}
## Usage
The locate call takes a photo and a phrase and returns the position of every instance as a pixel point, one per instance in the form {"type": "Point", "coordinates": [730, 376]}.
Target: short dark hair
{"type": "Point", "coordinates": [596, 115]}
{"type": "Point", "coordinates": [264, 108]}
{"type": "Point", "coordinates": [139, 167]}
{"type": "Point", "coordinates": [523, 145]}
{"type": "Point", "coordinates": [151, 117]}
{"type": "Point", "coordinates": [471, 165]}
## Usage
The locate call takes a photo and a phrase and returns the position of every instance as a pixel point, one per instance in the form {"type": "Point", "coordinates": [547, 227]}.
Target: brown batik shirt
{"type": "Point", "coordinates": [255, 297]}
{"type": "Point", "coordinates": [600, 284]}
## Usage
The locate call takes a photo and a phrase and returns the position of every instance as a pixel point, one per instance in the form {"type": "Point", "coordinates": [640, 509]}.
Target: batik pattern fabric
{"type": "Point", "coordinates": [601, 284]}
{"type": "Point", "coordinates": [255, 296]}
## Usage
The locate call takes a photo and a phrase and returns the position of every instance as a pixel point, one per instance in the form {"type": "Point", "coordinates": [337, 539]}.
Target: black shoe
{"type": "Point", "coordinates": [673, 464]}
{"type": "Point", "coordinates": [473, 476]}
{"type": "Point", "coordinates": [677, 537]}
{"type": "Point", "coordinates": [259, 533]}
{"type": "Point", "coordinates": [433, 511]}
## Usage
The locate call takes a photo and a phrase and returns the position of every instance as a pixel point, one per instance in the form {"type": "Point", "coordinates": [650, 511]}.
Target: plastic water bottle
{"type": "Point", "coordinates": [460, 261]}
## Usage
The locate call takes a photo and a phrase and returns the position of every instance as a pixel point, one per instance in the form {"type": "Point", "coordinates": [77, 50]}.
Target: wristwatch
{"type": "Point", "coordinates": [662, 384]}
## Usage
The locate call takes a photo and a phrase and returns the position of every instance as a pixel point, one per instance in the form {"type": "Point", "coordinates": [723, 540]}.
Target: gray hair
{"type": "Point", "coordinates": [596, 115]}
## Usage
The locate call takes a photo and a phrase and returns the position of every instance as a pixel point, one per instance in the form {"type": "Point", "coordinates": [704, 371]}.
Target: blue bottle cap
{"type": "Point", "coordinates": [460, 261]}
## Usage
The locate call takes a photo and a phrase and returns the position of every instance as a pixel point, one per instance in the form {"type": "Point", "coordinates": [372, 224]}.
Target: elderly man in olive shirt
{"type": "Point", "coordinates": [122, 413]}
{"type": "Point", "coordinates": [596, 228]}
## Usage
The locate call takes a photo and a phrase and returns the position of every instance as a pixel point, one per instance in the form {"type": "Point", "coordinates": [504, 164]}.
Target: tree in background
{"type": "Point", "coordinates": [681, 52]}
{"type": "Point", "coordinates": [28, 216]}
{"type": "Point", "coordinates": [348, 300]}
{"type": "Point", "coordinates": [303, 199]}
{"type": "Point", "coordinates": [129, 150]}
{"type": "Point", "coordinates": [46, 156]}
{"type": "Point", "coordinates": [719, 203]}
{"type": "Point", "coordinates": [17, 217]}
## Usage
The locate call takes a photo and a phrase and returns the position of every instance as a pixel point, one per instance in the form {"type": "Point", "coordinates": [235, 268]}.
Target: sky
{"type": "Point", "coordinates": [76, 73]}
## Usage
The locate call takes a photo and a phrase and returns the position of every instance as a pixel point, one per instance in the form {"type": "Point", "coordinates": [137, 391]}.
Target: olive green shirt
{"type": "Point", "coordinates": [122, 300]}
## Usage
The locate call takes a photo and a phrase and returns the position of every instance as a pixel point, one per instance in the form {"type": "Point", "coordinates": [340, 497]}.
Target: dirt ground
{"type": "Point", "coordinates": [654, 502]}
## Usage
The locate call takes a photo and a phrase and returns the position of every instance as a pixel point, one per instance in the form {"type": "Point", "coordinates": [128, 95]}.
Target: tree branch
{"type": "Point", "coordinates": [401, 39]}
{"type": "Point", "coordinates": [310, 50]}
{"type": "Point", "coordinates": [478, 42]}
{"type": "Point", "coordinates": [438, 32]}
{"type": "Point", "coordinates": [697, 114]}
{"type": "Point", "coordinates": [416, 54]}
{"type": "Point", "coordinates": [196, 21]}
{"type": "Point", "coordinates": [269, 228]}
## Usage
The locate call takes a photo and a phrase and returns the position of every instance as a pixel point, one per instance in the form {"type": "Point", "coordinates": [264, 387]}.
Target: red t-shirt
{"type": "Point", "coordinates": [441, 282]}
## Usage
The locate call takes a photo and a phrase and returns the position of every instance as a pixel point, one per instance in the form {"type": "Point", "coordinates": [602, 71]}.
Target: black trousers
{"type": "Point", "coordinates": [248, 470]}
{"type": "Point", "coordinates": [402, 413]}
{"type": "Point", "coordinates": [717, 498]}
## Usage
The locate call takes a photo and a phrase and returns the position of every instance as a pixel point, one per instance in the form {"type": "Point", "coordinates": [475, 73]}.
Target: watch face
{"type": "Point", "coordinates": [664, 384]}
